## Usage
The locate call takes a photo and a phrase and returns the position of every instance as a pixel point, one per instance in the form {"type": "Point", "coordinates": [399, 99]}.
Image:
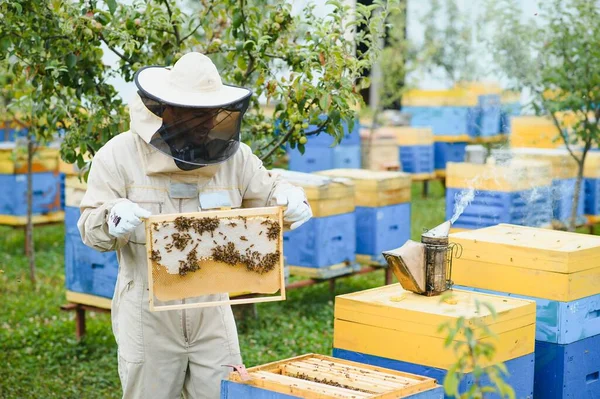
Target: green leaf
{"type": "Point", "coordinates": [112, 6]}
{"type": "Point", "coordinates": [71, 60]}
{"type": "Point", "coordinates": [301, 148]}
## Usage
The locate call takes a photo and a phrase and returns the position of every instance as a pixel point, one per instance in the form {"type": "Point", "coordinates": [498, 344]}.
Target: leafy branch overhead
{"type": "Point", "coordinates": [304, 66]}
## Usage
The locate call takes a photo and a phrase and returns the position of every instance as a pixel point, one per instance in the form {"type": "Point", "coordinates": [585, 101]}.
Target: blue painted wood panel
{"type": "Point", "coordinates": [381, 229]}
{"type": "Point", "coordinates": [417, 158]}
{"type": "Point", "coordinates": [46, 193]}
{"type": "Point", "coordinates": [520, 379]}
{"type": "Point", "coordinates": [448, 152]}
{"type": "Point", "coordinates": [560, 322]}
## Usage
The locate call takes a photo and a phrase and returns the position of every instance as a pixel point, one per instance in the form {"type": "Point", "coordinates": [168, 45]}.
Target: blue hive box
{"type": "Point", "coordinates": [563, 191]}
{"type": "Point", "coordinates": [87, 270]}
{"type": "Point", "coordinates": [592, 196]}
{"type": "Point", "coordinates": [417, 158]}
{"type": "Point", "coordinates": [560, 322]}
{"type": "Point", "coordinates": [445, 152]}
{"type": "Point", "coordinates": [445, 120]}
{"type": "Point", "coordinates": [490, 115]}
{"type": "Point", "coordinates": [382, 210]}
{"type": "Point", "coordinates": [46, 194]}
{"type": "Point", "coordinates": [568, 371]}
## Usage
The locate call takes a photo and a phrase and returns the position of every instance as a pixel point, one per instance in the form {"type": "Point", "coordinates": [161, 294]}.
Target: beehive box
{"type": "Point", "coordinates": [382, 210]}
{"type": "Point", "coordinates": [13, 159]}
{"type": "Point", "coordinates": [383, 153]}
{"type": "Point", "coordinates": [90, 275]}
{"type": "Point", "coordinates": [591, 174]}
{"type": "Point", "coordinates": [564, 172]}
{"type": "Point", "coordinates": [323, 377]}
{"type": "Point", "coordinates": [215, 252]}
{"type": "Point", "coordinates": [448, 151]}
{"type": "Point", "coordinates": [517, 193]}
{"type": "Point", "coordinates": [537, 262]}
{"type": "Point", "coordinates": [393, 328]}
{"type": "Point", "coordinates": [416, 150]}
{"type": "Point", "coordinates": [46, 193]}
{"type": "Point", "coordinates": [329, 238]}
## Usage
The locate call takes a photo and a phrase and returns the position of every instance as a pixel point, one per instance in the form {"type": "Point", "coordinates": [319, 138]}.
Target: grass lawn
{"type": "Point", "coordinates": [40, 358]}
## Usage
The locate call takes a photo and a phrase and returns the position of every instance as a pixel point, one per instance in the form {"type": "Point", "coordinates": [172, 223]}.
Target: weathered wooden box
{"type": "Point", "coordinates": [193, 255]}
{"type": "Point", "coordinates": [322, 377]}
{"type": "Point", "coordinates": [393, 328]}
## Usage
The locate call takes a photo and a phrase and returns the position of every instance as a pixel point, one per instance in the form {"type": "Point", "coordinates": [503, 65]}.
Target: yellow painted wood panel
{"type": "Point", "coordinates": [462, 138]}
{"type": "Point", "coordinates": [332, 206]}
{"type": "Point", "coordinates": [424, 350]}
{"type": "Point", "coordinates": [394, 303]}
{"type": "Point", "coordinates": [522, 175]}
{"type": "Point", "coordinates": [592, 165]}
{"type": "Point", "coordinates": [87, 299]}
{"type": "Point", "coordinates": [455, 97]}
{"type": "Point", "coordinates": [383, 198]}
{"type": "Point", "coordinates": [370, 180]}
{"type": "Point", "coordinates": [529, 247]}
{"type": "Point", "coordinates": [381, 157]}
{"type": "Point", "coordinates": [417, 328]}
{"type": "Point", "coordinates": [536, 283]}
{"type": "Point", "coordinates": [11, 220]}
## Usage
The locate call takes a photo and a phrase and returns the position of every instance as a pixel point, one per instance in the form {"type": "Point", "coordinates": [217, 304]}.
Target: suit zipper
{"type": "Point", "coordinates": [183, 312]}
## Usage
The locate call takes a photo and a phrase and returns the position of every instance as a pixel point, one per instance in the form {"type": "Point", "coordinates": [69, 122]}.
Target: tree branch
{"type": "Point", "coordinates": [191, 33]}
{"type": "Point", "coordinates": [114, 50]}
{"type": "Point", "coordinates": [175, 30]}
{"type": "Point", "coordinates": [283, 140]}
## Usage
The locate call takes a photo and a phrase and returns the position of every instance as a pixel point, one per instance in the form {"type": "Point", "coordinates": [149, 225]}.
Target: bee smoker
{"type": "Point", "coordinates": [426, 267]}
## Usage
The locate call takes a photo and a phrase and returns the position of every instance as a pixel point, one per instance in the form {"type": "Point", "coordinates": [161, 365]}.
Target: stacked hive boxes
{"type": "Point", "coordinates": [416, 151]}
{"type": "Point", "coordinates": [396, 329]}
{"type": "Point", "coordinates": [90, 275]}
{"type": "Point", "coordinates": [451, 114]}
{"type": "Point", "coordinates": [326, 245]}
{"type": "Point", "coordinates": [322, 377]}
{"type": "Point", "coordinates": [320, 155]}
{"type": "Point", "coordinates": [382, 202]}
{"type": "Point", "coordinates": [560, 271]}
{"type": "Point", "coordinates": [517, 193]}
{"type": "Point", "coordinates": [591, 173]}
{"type": "Point", "coordinates": [564, 173]}
{"type": "Point", "coordinates": [46, 180]}
{"type": "Point", "coordinates": [511, 107]}
{"type": "Point", "coordinates": [380, 151]}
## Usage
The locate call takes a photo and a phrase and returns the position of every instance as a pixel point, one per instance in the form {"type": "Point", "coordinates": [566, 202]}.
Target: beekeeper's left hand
{"type": "Point", "coordinates": [297, 210]}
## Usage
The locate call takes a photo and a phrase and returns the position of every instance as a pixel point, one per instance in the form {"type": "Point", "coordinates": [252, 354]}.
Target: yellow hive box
{"type": "Point", "coordinates": [456, 97]}
{"type": "Point", "coordinates": [529, 261]}
{"type": "Point", "coordinates": [516, 176]}
{"type": "Point", "coordinates": [327, 197]}
{"type": "Point", "coordinates": [533, 131]}
{"type": "Point", "coordinates": [380, 153]}
{"type": "Point", "coordinates": [14, 160]}
{"type": "Point", "coordinates": [74, 190]}
{"type": "Point", "coordinates": [400, 325]}
{"type": "Point", "coordinates": [591, 168]}
{"type": "Point", "coordinates": [375, 188]}
{"type": "Point", "coordinates": [407, 136]}
{"type": "Point", "coordinates": [314, 376]}
{"type": "Point", "coordinates": [563, 165]}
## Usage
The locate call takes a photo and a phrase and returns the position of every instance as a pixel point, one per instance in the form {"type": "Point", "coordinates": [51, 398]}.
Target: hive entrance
{"type": "Point", "coordinates": [205, 253]}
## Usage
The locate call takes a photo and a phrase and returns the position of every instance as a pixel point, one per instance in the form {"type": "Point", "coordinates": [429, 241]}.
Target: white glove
{"type": "Point", "coordinates": [298, 210]}
{"type": "Point", "coordinates": [124, 217]}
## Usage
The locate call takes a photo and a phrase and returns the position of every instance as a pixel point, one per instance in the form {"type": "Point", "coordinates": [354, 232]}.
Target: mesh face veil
{"type": "Point", "coordinates": [197, 136]}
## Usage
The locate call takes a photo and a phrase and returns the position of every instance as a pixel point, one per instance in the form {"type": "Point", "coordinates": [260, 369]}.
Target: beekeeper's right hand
{"type": "Point", "coordinates": [124, 217]}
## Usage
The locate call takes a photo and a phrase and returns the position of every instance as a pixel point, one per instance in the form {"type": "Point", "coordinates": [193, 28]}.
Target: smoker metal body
{"type": "Point", "coordinates": [426, 267]}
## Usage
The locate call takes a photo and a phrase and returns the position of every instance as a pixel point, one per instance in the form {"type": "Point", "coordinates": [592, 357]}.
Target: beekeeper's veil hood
{"type": "Point", "coordinates": [187, 113]}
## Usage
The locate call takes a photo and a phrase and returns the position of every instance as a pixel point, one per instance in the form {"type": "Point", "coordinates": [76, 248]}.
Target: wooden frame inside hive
{"type": "Point", "coordinates": [323, 377]}
{"type": "Point", "coordinates": [196, 254]}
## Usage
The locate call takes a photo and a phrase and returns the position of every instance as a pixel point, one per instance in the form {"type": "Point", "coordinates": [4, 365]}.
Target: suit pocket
{"type": "Point", "coordinates": [150, 200]}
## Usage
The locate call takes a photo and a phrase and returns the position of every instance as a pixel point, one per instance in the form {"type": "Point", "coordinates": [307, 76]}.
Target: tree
{"type": "Point", "coordinates": [555, 56]}
{"type": "Point", "coordinates": [448, 41]}
{"type": "Point", "coordinates": [305, 65]}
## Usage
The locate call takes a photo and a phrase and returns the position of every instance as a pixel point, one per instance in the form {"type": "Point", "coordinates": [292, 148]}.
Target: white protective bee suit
{"type": "Point", "coordinates": [164, 354]}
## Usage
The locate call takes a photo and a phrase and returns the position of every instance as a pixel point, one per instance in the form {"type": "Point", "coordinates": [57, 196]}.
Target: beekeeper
{"type": "Point", "coordinates": [182, 154]}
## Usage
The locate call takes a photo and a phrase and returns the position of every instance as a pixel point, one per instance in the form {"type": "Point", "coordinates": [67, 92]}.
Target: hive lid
{"type": "Point", "coordinates": [318, 187]}
{"type": "Point", "coordinates": [370, 180]}
{"type": "Point", "coordinates": [530, 248]}
{"type": "Point", "coordinates": [514, 176]}
{"type": "Point", "coordinates": [394, 308]}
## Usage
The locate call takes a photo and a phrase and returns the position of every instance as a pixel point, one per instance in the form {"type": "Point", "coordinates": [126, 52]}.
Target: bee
{"type": "Point", "coordinates": [243, 238]}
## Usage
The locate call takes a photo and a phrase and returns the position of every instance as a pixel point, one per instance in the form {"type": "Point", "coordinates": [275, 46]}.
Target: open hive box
{"type": "Point", "coordinates": [323, 377]}
{"type": "Point", "coordinates": [197, 254]}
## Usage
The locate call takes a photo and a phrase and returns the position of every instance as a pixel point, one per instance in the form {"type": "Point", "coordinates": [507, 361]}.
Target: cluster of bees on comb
{"type": "Point", "coordinates": [226, 253]}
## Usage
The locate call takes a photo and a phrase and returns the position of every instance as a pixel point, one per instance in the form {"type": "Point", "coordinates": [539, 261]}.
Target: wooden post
{"type": "Point", "coordinates": [79, 322]}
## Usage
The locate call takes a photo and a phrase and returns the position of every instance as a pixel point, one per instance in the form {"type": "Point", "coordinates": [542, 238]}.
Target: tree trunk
{"type": "Point", "coordinates": [367, 161]}
{"type": "Point", "coordinates": [576, 195]}
{"type": "Point", "coordinates": [29, 245]}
